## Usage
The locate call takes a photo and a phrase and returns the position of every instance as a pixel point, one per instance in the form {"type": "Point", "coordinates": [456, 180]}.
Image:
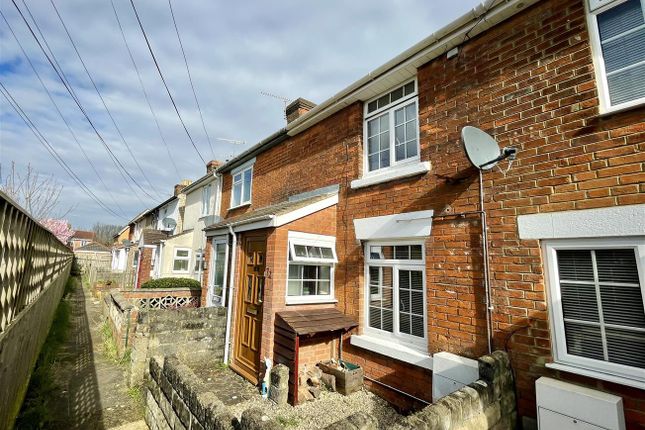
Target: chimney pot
{"type": "Point", "coordinates": [212, 165]}
{"type": "Point", "coordinates": [297, 108]}
{"type": "Point", "coordinates": [181, 185]}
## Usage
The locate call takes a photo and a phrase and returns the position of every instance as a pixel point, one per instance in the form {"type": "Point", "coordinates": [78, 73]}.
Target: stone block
{"type": "Point", "coordinates": [279, 376]}
{"type": "Point", "coordinates": [454, 406]}
{"type": "Point", "coordinates": [279, 395]}
{"type": "Point", "coordinates": [255, 419]}
{"type": "Point", "coordinates": [195, 425]}
{"type": "Point", "coordinates": [218, 417]}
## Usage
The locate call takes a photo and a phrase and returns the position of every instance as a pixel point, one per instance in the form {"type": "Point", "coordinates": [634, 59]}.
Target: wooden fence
{"type": "Point", "coordinates": [30, 256]}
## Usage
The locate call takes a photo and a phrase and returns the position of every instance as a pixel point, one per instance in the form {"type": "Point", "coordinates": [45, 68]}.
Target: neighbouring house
{"type": "Point", "coordinates": [366, 207]}
{"type": "Point", "coordinates": [120, 249]}
{"type": "Point", "coordinates": [81, 238]}
{"type": "Point", "coordinates": [93, 255]}
{"type": "Point", "coordinates": [182, 252]}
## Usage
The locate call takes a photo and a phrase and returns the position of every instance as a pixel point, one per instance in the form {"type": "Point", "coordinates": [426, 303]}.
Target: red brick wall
{"type": "Point", "coordinates": [529, 82]}
{"type": "Point", "coordinates": [316, 349]}
{"type": "Point", "coordinates": [145, 265]}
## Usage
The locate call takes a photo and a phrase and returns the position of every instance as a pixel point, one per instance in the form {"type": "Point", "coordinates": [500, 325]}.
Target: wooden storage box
{"type": "Point", "coordinates": [348, 380]}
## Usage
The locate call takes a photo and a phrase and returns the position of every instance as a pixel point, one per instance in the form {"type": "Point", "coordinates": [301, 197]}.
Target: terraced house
{"type": "Point", "coordinates": [361, 215]}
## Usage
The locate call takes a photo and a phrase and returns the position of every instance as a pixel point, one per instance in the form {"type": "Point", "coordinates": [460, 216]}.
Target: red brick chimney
{"type": "Point", "coordinates": [212, 165]}
{"type": "Point", "coordinates": [297, 108]}
{"type": "Point", "coordinates": [181, 185]}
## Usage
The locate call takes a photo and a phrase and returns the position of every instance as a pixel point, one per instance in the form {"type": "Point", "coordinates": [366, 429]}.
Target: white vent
{"type": "Point", "coordinates": [566, 406]}
{"type": "Point", "coordinates": [451, 372]}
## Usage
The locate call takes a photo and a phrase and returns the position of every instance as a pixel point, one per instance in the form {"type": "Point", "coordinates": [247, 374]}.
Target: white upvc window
{"type": "Point", "coordinates": [596, 291]}
{"type": "Point", "coordinates": [206, 199]}
{"type": "Point", "coordinates": [617, 30]}
{"type": "Point", "coordinates": [242, 184]}
{"type": "Point", "coordinates": [391, 129]}
{"type": "Point", "coordinates": [310, 272]}
{"type": "Point", "coordinates": [395, 293]}
{"type": "Point", "coordinates": [199, 262]}
{"type": "Point", "coordinates": [181, 260]}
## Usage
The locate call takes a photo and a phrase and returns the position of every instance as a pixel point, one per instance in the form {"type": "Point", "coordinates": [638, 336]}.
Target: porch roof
{"type": "Point", "coordinates": [313, 321]}
{"type": "Point", "coordinates": [153, 237]}
{"type": "Point", "coordinates": [276, 215]}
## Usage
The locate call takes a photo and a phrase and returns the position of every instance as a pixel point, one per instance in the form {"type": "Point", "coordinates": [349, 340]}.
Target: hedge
{"type": "Point", "coordinates": [168, 283]}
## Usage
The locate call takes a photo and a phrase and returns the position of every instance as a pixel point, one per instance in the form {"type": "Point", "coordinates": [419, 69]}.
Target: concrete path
{"type": "Point", "coordinates": [95, 395]}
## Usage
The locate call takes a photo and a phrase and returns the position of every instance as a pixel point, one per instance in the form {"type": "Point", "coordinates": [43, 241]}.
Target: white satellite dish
{"type": "Point", "coordinates": [169, 223]}
{"type": "Point", "coordinates": [482, 150]}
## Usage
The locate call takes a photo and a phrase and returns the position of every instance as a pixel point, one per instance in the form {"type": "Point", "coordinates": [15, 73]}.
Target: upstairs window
{"type": "Point", "coordinates": [618, 38]}
{"type": "Point", "coordinates": [597, 305]}
{"type": "Point", "coordinates": [311, 264]}
{"type": "Point", "coordinates": [242, 183]}
{"type": "Point", "coordinates": [391, 129]}
{"type": "Point", "coordinates": [206, 200]}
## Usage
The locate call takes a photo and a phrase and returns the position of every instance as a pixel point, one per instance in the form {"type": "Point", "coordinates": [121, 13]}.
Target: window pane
{"type": "Point", "coordinates": [411, 129]}
{"type": "Point", "coordinates": [624, 51]}
{"type": "Point", "coordinates": [617, 265]}
{"type": "Point", "coordinates": [314, 252]}
{"type": "Point", "coordinates": [415, 252]}
{"type": "Point", "coordinates": [237, 194]}
{"type": "Point", "coordinates": [620, 19]}
{"type": "Point", "coordinates": [182, 253]}
{"type": "Point", "coordinates": [308, 288]}
{"type": "Point", "coordinates": [410, 111]}
{"type": "Point", "coordinates": [627, 85]}
{"type": "Point", "coordinates": [417, 325]}
{"type": "Point", "coordinates": [373, 145]}
{"type": "Point", "coordinates": [375, 317]}
{"type": "Point", "coordinates": [327, 253]}
{"type": "Point", "coordinates": [309, 272]}
{"type": "Point", "coordinates": [294, 288]}
{"type": "Point", "coordinates": [324, 272]}
{"type": "Point", "coordinates": [388, 252]}
{"type": "Point", "coordinates": [388, 320]}
{"type": "Point", "coordinates": [385, 141]}
{"type": "Point", "coordinates": [411, 148]}
{"type": "Point", "coordinates": [400, 152]}
{"type": "Point", "coordinates": [623, 305]}
{"type": "Point", "coordinates": [385, 158]}
{"type": "Point", "coordinates": [218, 275]}
{"type": "Point", "coordinates": [373, 162]}
{"type": "Point", "coordinates": [372, 106]}
{"type": "Point", "coordinates": [385, 125]}
{"type": "Point", "coordinates": [416, 301]}
{"type": "Point", "coordinates": [399, 116]}
{"type": "Point", "coordinates": [626, 347]}
{"type": "Point", "coordinates": [399, 135]}
{"type": "Point", "coordinates": [416, 282]}
{"type": "Point", "coordinates": [295, 271]}
{"type": "Point", "coordinates": [247, 185]}
{"type": "Point", "coordinates": [383, 100]}
{"type": "Point", "coordinates": [323, 287]}
{"type": "Point", "coordinates": [579, 302]}
{"type": "Point", "coordinates": [404, 323]}
{"type": "Point", "coordinates": [180, 265]}
{"type": "Point", "coordinates": [301, 250]}
{"type": "Point", "coordinates": [575, 265]}
{"type": "Point", "coordinates": [409, 88]}
{"type": "Point", "coordinates": [402, 252]}
{"type": "Point", "coordinates": [583, 340]}
{"type": "Point", "coordinates": [397, 94]}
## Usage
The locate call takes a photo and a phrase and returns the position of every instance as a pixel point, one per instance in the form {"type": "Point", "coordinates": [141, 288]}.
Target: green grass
{"type": "Point", "coordinates": [109, 345]}
{"type": "Point", "coordinates": [43, 387]}
{"type": "Point", "coordinates": [136, 395]}
{"type": "Point", "coordinates": [287, 422]}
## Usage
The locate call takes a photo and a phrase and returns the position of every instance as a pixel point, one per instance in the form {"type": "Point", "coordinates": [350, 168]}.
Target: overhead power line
{"type": "Point", "coordinates": [190, 78]}
{"type": "Point", "coordinates": [89, 120]}
{"type": "Point", "coordinates": [51, 98]}
{"type": "Point", "coordinates": [154, 58]}
{"type": "Point", "coordinates": [143, 88]}
{"type": "Point", "coordinates": [89, 75]}
{"type": "Point", "coordinates": [60, 160]}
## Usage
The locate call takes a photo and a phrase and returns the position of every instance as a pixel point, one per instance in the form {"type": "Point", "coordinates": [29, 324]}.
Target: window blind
{"type": "Point", "coordinates": [602, 305]}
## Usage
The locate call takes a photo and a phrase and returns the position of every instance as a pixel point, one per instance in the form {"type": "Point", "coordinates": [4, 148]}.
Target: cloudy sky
{"type": "Point", "coordinates": [235, 50]}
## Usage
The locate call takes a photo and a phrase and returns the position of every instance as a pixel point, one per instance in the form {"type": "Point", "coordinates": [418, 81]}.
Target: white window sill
{"type": "Point", "coordinates": [596, 374]}
{"type": "Point", "coordinates": [393, 350]}
{"type": "Point", "coordinates": [304, 300]}
{"type": "Point", "coordinates": [239, 206]}
{"type": "Point", "coordinates": [398, 172]}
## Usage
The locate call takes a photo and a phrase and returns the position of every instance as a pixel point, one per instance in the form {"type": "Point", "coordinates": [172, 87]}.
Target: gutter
{"type": "Point", "coordinates": [241, 222]}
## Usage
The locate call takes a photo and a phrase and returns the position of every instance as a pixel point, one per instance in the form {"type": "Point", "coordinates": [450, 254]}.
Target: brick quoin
{"type": "Point", "coordinates": [145, 266]}
{"type": "Point", "coordinates": [530, 83]}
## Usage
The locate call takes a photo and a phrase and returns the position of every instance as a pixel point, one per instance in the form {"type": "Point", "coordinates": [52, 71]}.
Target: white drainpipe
{"type": "Point", "coordinates": [231, 280]}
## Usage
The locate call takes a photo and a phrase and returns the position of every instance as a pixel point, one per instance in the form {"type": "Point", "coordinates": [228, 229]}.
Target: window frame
{"type": "Point", "coordinates": [389, 109]}
{"type": "Point", "coordinates": [599, 61]}
{"type": "Point", "coordinates": [241, 170]}
{"type": "Point", "coordinates": [299, 238]}
{"type": "Point", "coordinates": [206, 192]}
{"type": "Point", "coordinates": [187, 258]}
{"type": "Point", "coordinates": [598, 368]}
{"type": "Point", "coordinates": [417, 343]}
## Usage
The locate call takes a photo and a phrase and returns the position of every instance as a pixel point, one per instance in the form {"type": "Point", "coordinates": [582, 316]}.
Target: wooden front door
{"type": "Point", "coordinates": [246, 358]}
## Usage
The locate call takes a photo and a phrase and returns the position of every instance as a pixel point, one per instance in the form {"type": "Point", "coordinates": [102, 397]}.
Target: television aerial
{"type": "Point", "coordinates": [484, 153]}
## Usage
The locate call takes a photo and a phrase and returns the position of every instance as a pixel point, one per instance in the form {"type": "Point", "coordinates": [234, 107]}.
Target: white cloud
{"type": "Point", "coordinates": [235, 50]}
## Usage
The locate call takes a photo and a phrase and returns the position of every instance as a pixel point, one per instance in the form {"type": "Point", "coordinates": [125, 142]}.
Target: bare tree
{"type": "Point", "coordinates": [38, 194]}
{"type": "Point", "coordinates": [105, 232]}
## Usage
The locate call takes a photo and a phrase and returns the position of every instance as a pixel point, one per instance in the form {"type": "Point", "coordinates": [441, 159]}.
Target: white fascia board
{"type": "Point", "coordinates": [404, 65]}
{"type": "Point", "coordinates": [305, 211]}
{"type": "Point", "coordinates": [614, 221]}
{"type": "Point", "coordinates": [398, 226]}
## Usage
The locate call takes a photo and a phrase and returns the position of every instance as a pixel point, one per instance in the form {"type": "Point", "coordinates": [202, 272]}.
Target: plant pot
{"type": "Point", "coordinates": [348, 380]}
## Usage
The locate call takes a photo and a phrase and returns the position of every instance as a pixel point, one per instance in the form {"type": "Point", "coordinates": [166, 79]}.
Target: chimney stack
{"type": "Point", "coordinates": [181, 185]}
{"type": "Point", "coordinates": [212, 165]}
{"type": "Point", "coordinates": [297, 108]}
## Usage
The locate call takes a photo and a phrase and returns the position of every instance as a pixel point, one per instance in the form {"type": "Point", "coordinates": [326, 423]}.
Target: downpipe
{"type": "Point", "coordinates": [489, 307]}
